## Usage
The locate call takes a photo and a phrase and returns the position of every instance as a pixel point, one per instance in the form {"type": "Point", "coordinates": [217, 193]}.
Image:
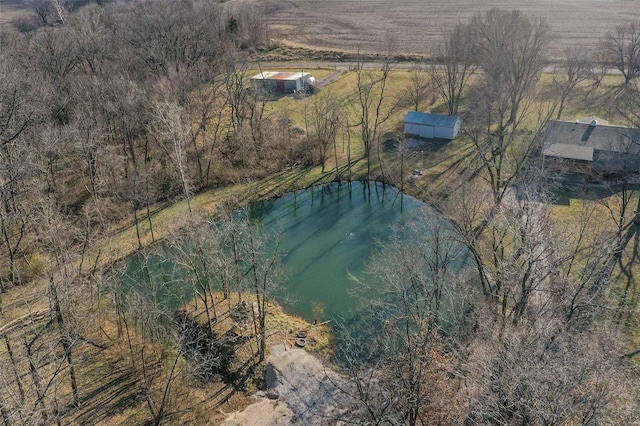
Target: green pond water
{"type": "Point", "coordinates": [330, 232]}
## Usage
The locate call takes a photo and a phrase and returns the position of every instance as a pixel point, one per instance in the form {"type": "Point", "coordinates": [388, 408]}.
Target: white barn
{"type": "Point", "coordinates": [430, 126]}
{"type": "Point", "coordinates": [282, 82]}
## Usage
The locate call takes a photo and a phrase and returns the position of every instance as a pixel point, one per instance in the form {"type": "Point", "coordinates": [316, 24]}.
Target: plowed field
{"type": "Point", "coordinates": [415, 25]}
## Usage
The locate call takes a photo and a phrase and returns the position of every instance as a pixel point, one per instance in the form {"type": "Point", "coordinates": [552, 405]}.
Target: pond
{"type": "Point", "coordinates": [329, 233]}
{"type": "Point", "coordinates": [328, 236]}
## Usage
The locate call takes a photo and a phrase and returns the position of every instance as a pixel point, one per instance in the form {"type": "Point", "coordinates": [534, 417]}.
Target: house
{"type": "Point", "coordinates": [282, 82]}
{"type": "Point", "coordinates": [430, 126]}
{"type": "Point", "coordinates": [590, 147]}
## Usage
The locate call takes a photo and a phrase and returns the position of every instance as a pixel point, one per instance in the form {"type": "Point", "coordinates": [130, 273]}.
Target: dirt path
{"type": "Point", "coordinates": [300, 390]}
{"type": "Point", "coordinates": [323, 82]}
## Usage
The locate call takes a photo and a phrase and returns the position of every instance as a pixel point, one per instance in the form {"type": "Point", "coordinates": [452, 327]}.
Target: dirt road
{"type": "Point", "coordinates": [341, 67]}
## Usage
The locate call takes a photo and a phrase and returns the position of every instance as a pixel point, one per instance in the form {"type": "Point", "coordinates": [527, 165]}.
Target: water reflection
{"type": "Point", "coordinates": [330, 233]}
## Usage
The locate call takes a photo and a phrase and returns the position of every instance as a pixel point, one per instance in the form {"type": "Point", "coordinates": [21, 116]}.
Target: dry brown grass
{"type": "Point", "coordinates": [110, 385]}
{"type": "Point", "coordinates": [111, 388]}
{"type": "Point", "coordinates": [12, 9]}
{"type": "Point", "coordinates": [281, 327]}
{"type": "Point", "coordinates": [416, 25]}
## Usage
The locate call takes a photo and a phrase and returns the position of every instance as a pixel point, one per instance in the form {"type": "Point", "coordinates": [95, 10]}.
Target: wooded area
{"type": "Point", "coordinates": [112, 111]}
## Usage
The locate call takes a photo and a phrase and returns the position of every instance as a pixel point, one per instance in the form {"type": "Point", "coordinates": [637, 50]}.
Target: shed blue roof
{"type": "Point", "coordinates": [427, 119]}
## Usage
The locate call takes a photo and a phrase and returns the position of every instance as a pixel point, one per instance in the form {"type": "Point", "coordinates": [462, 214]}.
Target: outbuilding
{"type": "Point", "coordinates": [430, 126]}
{"type": "Point", "coordinates": [281, 82]}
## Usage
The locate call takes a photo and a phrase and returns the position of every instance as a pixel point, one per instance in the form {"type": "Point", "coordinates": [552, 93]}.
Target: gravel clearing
{"type": "Point", "coordinates": [300, 390]}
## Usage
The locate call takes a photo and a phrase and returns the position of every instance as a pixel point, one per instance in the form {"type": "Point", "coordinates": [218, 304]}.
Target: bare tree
{"type": "Point", "coordinates": [197, 253]}
{"type": "Point", "coordinates": [50, 12]}
{"type": "Point", "coordinates": [453, 66]}
{"type": "Point", "coordinates": [503, 235]}
{"type": "Point", "coordinates": [20, 112]}
{"type": "Point", "coordinates": [372, 104]}
{"type": "Point", "coordinates": [520, 376]}
{"type": "Point", "coordinates": [396, 357]}
{"type": "Point", "coordinates": [621, 50]}
{"type": "Point", "coordinates": [418, 299]}
{"type": "Point", "coordinates": [171, 42]}
{"type": "Point", "coordinates": [510, 51]}
{"type": "Point", "coordinates": [237, 100]}
{"type": "Point", "coordinates": [575, 69]}
{"type": "Point", "coordinates": [172, 133]}
{"type": "Point", "coordinates": [420, 88]}
{"type": "Point", "coordinates": [207, 111]}
{"type": "Point", "coordinates": [245, 26]}
{"type": "Point", "coordinates": [90, 31]}
{"type": "Point", "coordinates": [261, 258]}
{"type": "Point", "coordinates": [56, 237]}
{"type": "Point", "coordinates": [146, 313]}
{"type": "Point", "coordinates": [322, 119]}
{"type": "Point", "coordinates": [620, 198]}
{"type": "Point", "coordinates": [60, 7]}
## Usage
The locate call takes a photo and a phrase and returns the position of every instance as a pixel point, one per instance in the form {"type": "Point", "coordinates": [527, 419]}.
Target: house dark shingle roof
{"type": "Point", "coordinates": [560, 135]}
{"type": "Point", "coordinates": [570, 152]}
{"type": "Point", "coordinates": [602, 149]}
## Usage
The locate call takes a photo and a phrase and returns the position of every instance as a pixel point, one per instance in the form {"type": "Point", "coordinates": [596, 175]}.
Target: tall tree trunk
{"type": "Point", "coordinates": [65, 339]}
{"type": "Point", "coordinates": [35, 378]}
{"type": "Point", "coordinates": [14, 367]}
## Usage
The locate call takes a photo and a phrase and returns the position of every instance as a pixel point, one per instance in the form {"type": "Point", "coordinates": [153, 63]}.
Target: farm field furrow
{"type": "Point", "coordinates": [416, 25]}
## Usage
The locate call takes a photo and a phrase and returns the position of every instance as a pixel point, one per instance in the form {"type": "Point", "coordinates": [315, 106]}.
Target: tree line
{"type": "Point", "coordinates": [123, 107]}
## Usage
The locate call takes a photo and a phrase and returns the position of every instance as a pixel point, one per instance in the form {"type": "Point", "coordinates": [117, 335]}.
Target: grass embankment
{"type": "Point", "coordinates": [289, 51]}
{"type": "Point", "coordinates": [282, 327]}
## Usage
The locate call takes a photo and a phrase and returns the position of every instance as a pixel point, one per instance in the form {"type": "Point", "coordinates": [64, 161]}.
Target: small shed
{"type": "Point", "coordinates": [430, 126]}
{"type": "Point", "coordinates": [281, 82]}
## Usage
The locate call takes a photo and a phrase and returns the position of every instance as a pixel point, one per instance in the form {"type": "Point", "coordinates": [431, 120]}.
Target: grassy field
{"type": "Point", "coordinates": [416, 25]}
